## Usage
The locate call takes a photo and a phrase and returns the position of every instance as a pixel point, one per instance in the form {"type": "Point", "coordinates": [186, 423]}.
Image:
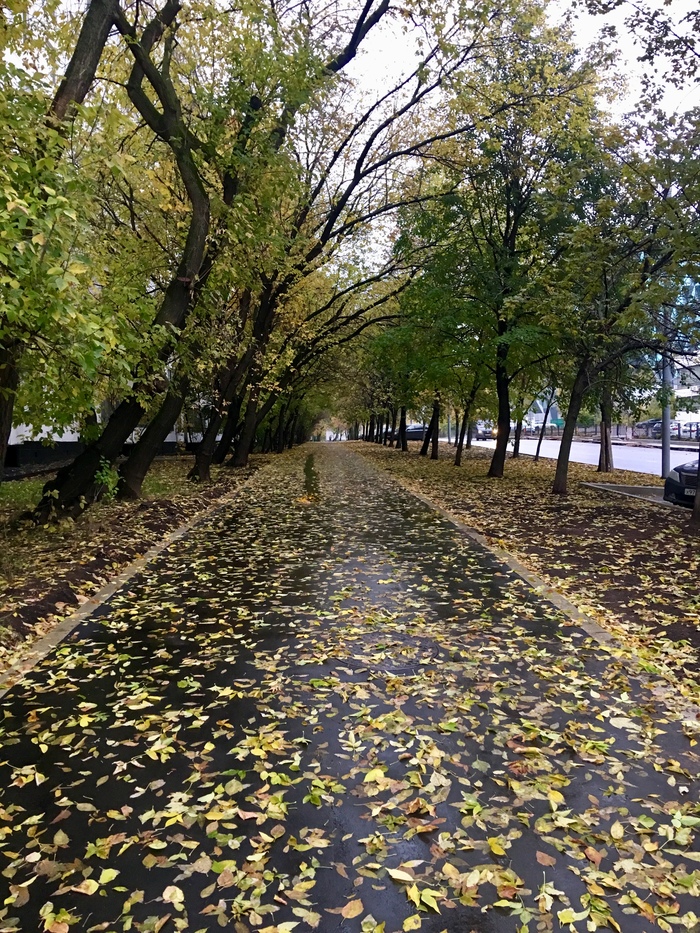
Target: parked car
{"type": "Point", "coordinates": [681, 483]}
{"type": "Point", "coordinates": [691, 429]}
{"type": "Point", "coordinates": [415, 432]}
{"type": "Point", "coordinates": [656, 431]}
{"type": "Point", "coordinates": [644, 428]}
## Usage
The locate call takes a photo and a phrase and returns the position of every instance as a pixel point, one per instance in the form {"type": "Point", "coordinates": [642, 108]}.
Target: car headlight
{"type": "Point", "coordinates": [673, 474]}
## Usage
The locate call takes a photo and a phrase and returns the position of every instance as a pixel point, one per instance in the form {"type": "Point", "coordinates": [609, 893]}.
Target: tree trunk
{"type": "Point", "coordinates": [516, 440]}
{"type": "Point", "coordinates": [80, 73]}
{"type": "Point", "coordinates": [74, 486]}
{"type": "Point", "coordinates": [458, 426]}
{"type": "Point", "coordinates": [292, 429]}
{"type": "Point", "coordinates": [387, 428]}
{"type": "Point", "coordinates": [231, 428]}
{"type": "Point", "coordinates": [694, 524]}
{"type": "Point", "coordinates": [370, 433]}
{"type": "Point", "coordinates": [498, 460]}
{"type": "Point", "coordinates": [402, 442]}
{"type": "Point", "coordinates": [605, 460]}
{"type": "Point", "coordinates": [267, 440]}
{"type": "Point", "coordinates": [543, 429]}
{"type": "Point", "coordinates": [247, 436]}
{"type": "Point", "coordinates": [578, 392]}
{"type": "Point", "coordinates": [133, 471]}
{"type": "Point", "coordinates": [380, 429]}
{"type": "Point", "coordinates": [460, 440]}
{"type": "Point", "coordinates": [428, 435]}
{"type": "Point", "coordinates": [279, 437]}
{"type": "Point", "coordinates": [394, 416]}
{"type": "Point", "coordinates": [9, 381]}
{"type": "Point", "coordinates": [436, 429]}
{"type": "Point", "coordinates": [470, 434]}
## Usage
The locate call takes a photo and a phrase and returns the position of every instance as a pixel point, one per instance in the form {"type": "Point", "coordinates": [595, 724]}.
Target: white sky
{"type": "Point", "coordinates": [388, 52]}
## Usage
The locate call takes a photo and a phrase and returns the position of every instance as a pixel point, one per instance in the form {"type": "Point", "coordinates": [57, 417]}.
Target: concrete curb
{"type": "Point", "coordinates": [44, 645]}
{"type": "Point", "coordinates": [625, 491]}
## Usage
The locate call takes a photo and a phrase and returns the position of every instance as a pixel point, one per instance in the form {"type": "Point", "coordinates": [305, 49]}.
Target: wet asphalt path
{"type": "Point", "coordinates": [326, 709]}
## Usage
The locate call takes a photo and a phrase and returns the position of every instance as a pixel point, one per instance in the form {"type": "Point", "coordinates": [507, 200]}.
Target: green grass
{"type": "Point", "coordinates": [19, 495]}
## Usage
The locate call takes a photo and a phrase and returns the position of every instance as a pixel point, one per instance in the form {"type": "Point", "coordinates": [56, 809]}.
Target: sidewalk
{"type": "Point", "coordinates": [329, 709]}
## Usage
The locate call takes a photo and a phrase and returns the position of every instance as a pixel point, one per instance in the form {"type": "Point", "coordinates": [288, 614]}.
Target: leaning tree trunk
{"type": "Point", "coordinates": [578, 392]}
{"type": "Point", "coordinates": [247, 436]}
{"type": "Point", "coordinates": [516, 439]}
{"type": "Point", "coordinates": [428, 434]}
{"type": "Point", "coordinates": [231, 428]}
{"type": "Point", "coordinates": [460, 441]}
{"type": "Point", "coordinates": [402, 442]}
{"type": "Point", "coordinates": [498, 460]}
{"type": "Point", "coordinates": [605, 460]}
{"type": "Point", "coordinates": [436, 429]}
{"type": "Point", "coordinates": [458, 424]}
{"type": "Point", "coordinates": [133, 471]}
{"type": "Point", "coordinates": [543, 429]}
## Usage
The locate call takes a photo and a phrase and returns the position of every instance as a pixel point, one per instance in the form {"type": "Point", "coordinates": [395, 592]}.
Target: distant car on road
{"type": "Point", "coordinates": [681, 483]}
{"type": "Point", "coordinates": [657, 430]}
{"type": "Point", "coordinates": [415, 432]}
{"type": "Point", "coordinates": [644, 428]}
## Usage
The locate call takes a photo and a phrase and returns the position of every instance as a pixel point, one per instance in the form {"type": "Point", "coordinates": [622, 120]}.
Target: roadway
{"type": "Point", "coordinates": [625, 457]}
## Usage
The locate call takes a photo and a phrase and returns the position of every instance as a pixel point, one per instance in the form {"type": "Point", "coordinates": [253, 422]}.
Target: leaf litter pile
{"type": "Point", "coordinates": [324, 709]}
{"type": "Point", "coordinates": [629, 564]}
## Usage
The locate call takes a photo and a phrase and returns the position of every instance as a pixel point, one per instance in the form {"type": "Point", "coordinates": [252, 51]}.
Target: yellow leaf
{"type": "Point", "coordinates": [352, 909]}
{"type": "Point", "coordinates": [376, 774]}
{"type": "Point", "coordinates": [412, 923]}
{"type": "Point", "coordinates": [86, 887]}
{"type": "Point", "coordinates": [617, 830]}
{"type": "Point", "coordinates": [428, 897]}
{"type": "Point", "coordinates": [413, 894]}
{"type": "Point", "coordinates": [495, 846]}
{"type": "Point", "coordinates": [399, 875]}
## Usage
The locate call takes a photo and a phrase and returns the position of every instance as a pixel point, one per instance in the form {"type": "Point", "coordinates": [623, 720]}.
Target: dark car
{"type": "Point", "coordinates": [415, 432]}
{"type": "Point", "coordinates": [657, 430]}
{"type": "Point", "coordinates": [681, 483]}
{"type": "Point", "coordinates": [644, 428]}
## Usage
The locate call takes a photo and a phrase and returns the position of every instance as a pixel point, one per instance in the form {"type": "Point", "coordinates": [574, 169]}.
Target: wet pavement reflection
{"type": "Point", "coordinates": [326, 707]}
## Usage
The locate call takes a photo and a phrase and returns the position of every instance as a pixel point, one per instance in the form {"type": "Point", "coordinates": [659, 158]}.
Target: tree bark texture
{"type": "Point", "coordinates": [503, 391]}
{"type": "Point", "coordinates": [436, 429]}
{"type": "Point", "coordinates": [244, 445]}
{"type": "Point", "coordinates": [578, 392]}
{"type": "Point", "coordinates": [428, 435]}
{"type": "Point", "coordinates": [605, 459]}
{"type": "Point", "coordinates": [460, 439]}
{"type": "Point", "coordinates": [133, 471]}
{"type": "Point", "coordinates": [516, 439]}
{"type": "Point", "coordinates": [401, 441]}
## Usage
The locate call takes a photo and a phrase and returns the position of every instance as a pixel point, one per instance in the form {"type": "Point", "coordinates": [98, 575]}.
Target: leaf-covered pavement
{"type": "Point", "coordinates": [325, 709]}
{"type": "Point", "coordinates": [630, 565]}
